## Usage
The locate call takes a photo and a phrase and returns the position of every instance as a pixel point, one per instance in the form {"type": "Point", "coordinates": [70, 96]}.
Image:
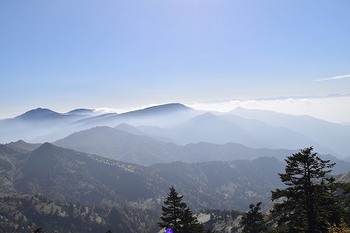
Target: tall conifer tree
{"type": "Point", "coordinates": [309, 201]}
{"type": "Point", "coordinates": [253, 221]}
{"type": "Point", "coordinates": [177, 216]}
{"type": "Point", "coordinates": [190, 223]}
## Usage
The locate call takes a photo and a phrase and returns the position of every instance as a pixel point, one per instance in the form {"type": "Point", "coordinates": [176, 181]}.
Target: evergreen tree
{"type": "Point", "coordinates": [172, 212]}
{"type": "Point", "coordinates": [309, 201]}
{"type": "Point", "coordinates": [190, 223]}
{"type": "Point", "coordinates": [177, 216]}
{"type": "Point", "coordinates": [253, 221]}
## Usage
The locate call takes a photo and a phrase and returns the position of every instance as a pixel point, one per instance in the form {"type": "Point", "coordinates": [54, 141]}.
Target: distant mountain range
{"type": "Point", "coordinates": [181, 125]}
{"type": "Point", "coordinates": [330, 135]}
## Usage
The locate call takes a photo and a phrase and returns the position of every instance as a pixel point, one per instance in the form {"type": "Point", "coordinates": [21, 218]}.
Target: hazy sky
{"type": "Point", "coordinates": [67, 54]}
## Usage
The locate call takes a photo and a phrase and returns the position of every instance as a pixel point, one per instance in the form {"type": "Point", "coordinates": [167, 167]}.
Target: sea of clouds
{"type": "Point", "coordinates": [332, 108]}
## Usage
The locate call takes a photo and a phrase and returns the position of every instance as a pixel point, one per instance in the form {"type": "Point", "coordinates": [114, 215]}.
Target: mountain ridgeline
{"type": "Point", "coordinates": [181, 125]}
{"type": "Point", "coordinates": [145, 150]}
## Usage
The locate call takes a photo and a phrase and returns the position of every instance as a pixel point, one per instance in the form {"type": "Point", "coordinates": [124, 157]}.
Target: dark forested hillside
{"type": "Point", "coordinates": [26, 213]}
{"type": "Point", "coordinates": [68, 175]}
{"type": "Point", "coordinates": [233, 184]}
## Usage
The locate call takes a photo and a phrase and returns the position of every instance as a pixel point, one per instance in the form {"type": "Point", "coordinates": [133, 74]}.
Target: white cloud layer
{"type": "Point", "coordinates": [121, 110]}
{"type": "Point", "coordinates": [333, 109]}
{"type": "Point", "coordinates": [105, 110]}
{"type": "Point", "coordinates": [333, 78]}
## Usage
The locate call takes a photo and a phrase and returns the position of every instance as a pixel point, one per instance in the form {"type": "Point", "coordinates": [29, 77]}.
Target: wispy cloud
{"type": "Point", "coordinates": [333, 78]}
{"type": "Point", "coordinates": [122, 110]}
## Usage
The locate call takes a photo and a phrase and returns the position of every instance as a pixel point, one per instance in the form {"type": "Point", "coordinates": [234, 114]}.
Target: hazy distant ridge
{"type": "Point", "coordinates": [181, 125]}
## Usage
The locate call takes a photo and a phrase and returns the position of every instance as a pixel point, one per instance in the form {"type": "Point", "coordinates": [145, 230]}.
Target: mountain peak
{"type": "Point", "coordinates": [160, 109]}
{"type": "Point", "coordinates": [81, 111]}
{"type": "Point", "coordinates": [46, 146]}
{"type": "Point", "coordinates": [38, 113]}
{"type": "Point", "coordinates": [23, 146]}
{"type": "Point", "coordinates": [168, 107]}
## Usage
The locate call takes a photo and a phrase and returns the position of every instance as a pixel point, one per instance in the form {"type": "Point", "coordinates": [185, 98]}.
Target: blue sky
{"type": "Point", "coordinates": [127, 54]}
